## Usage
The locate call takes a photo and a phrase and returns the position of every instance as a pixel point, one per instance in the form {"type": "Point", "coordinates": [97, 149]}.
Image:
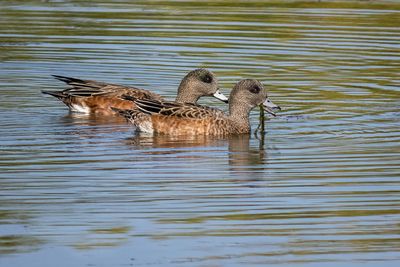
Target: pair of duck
{"type": "Point", "coordinates": [150, 113]}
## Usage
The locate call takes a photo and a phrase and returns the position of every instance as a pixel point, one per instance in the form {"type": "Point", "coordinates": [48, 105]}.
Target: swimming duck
{"type": "Point", "coordinates": [93, 97]}
{"type": "Point", "coordinates": [173, 118]}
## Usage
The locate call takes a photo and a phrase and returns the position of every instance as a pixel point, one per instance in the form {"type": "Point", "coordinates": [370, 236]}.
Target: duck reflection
{"type": "Point", "coordinates": [165, 141]}
{"type": "Point", "coordinates": [90, 119]}
{"type": "Point", "coordinates": [89, 128]}
{"type": "Point", "coordinates": [245, 154]}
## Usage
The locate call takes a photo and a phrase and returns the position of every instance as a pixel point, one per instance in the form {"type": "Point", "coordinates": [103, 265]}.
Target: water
{"type": "Point", "coordinates": [322, 189]}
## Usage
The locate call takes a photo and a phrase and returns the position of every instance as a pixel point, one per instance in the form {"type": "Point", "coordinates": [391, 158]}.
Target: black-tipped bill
{"type": "Point", "coordinates": [270, 107]}
{"type": "Point", "coordinates": [220, 96]}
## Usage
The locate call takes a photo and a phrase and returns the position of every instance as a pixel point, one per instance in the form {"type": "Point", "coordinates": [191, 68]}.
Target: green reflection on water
{"type": "Point", "coordinates": [284, 216]}
{"type": "Point", "coordinates": [104, 237]}
{"type": "Point", "coordinates": [19, 244]}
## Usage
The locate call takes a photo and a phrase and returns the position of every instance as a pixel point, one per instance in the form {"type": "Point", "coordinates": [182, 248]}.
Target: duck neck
{"type": "Point", "coordinates": [185, 94]}
{"type": "Point", "coordinates": [239, 113]}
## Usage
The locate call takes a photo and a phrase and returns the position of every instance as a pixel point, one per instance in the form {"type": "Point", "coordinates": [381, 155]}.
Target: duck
{"type": "Point", "coordinates": [174, 118]}
{"type": "Point", "coordinates": [93, 97]}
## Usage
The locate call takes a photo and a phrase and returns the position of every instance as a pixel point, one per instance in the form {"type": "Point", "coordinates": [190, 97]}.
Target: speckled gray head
{"type": "Point", "coordinates": [252, 93]}
{"type": "Point", "coordinates": [198, 83]}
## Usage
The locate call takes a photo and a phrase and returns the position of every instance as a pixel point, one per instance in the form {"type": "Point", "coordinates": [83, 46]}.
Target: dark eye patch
{"type": "Point", "coordinates": [255, 89]}
{"type": "Point", "coordinates": [206, 78]}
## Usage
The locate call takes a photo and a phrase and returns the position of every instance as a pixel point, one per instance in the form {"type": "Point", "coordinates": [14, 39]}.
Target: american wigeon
{"type": "Point", "coordinates": [174, 118]}
{"type": "Point", "coordinates": [94, 97]}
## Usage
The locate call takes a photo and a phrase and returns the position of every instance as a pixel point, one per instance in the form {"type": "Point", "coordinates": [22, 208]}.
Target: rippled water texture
{"type": "Point", "coordinates": [322, 189]}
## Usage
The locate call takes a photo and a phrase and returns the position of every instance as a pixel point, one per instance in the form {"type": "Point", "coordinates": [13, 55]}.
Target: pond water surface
{"type": "Point", "coordinates": [322, 189]}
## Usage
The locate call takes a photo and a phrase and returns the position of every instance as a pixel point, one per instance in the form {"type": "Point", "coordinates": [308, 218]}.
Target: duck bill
{"type": "Point", "coordinates": [220, 96]}
{"type": "Point", "coordinates": [270, 107]}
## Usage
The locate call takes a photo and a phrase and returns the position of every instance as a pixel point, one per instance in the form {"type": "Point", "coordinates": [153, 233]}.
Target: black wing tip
{"type": "Point", "coordinates": [57, 94]}
{"type": "Point", "coordinates": [58, 76]}
{"type": "Point", "coordinates": [67, 79]}
{"type": "Point", "coordinates": [61, 78]}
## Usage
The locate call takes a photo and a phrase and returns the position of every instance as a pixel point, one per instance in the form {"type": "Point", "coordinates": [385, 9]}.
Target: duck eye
{"type": "Point", "coordinates": [255, 89]}
{"type": "Point", "coordinates": [206, 78]}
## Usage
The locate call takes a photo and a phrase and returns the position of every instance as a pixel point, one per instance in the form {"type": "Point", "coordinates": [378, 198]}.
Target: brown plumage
{"type": "Point", "coordinates": [94, 97]}
{"type": "Point", "coordinates": [174, 118]}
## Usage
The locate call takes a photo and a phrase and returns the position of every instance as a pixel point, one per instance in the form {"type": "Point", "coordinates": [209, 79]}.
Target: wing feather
{"type": "Point", "coordinates": [87, 88]}
{"type": "Point", "coordinates": [174, 109]}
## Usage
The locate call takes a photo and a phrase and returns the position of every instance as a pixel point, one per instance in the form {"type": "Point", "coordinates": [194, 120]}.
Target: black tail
{"type": "Point", "coordinates": [57, 94]}
{"type": "Point", "coordinates": [68, 80]}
